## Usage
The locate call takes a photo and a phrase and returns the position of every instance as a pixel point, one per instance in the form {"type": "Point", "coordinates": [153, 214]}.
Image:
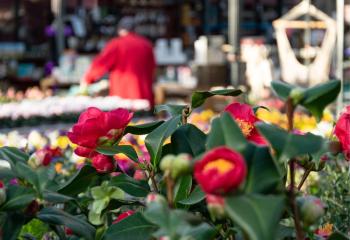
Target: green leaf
{"type": "Point", "coordinates": [155, 140]}
{"type": "Point", "coordinates": [27, 173]}
{"type": "Point", "coordinates": [18, 197]}
{"type": "Point", "coordinates": [188, 139]}
{"type": "Point", "coordinates": [79, 182]}
{"type": "Point", "coordinates": [6, 173]}
{"type": "Point", "coordinates": [256, 108]}
{"type": "Point", "coordinates": [55, 216]}
{"type": "Point", "coordinates": [142, 129]}
{"type": "Point", "coordinates": [289, 145]}
{"type": "Point", "coordinates": [257, 215]}
{"type": "Point", "coordinates": [12, 226]}
{"type": "Point", "coordinates": [282, 89]}
{"type": "Point", "coordinates": [54, 197]}
{"type": "Point", "coordinates": [172, 109]}
{"type": "Point", "coordinates": [196, 196]}
{"type": "Point", "coordinates": [319, 96]}
{"type": "Point", "coordinates": [128, 150]}
{"type": "Point", "coordinates": [130, 185]}
{"type": "Point", "coordinates": [225, 132]}
{"type": "Point", "coordinates": [198, 98]}
{"type": "Point", "coordinates": [134, 227]}
{"type": "Point", "coordinates": [13, 155]}
{"type": "Point", "coordinates": [338, 236]}
{"type": "Point", "coordinates": [182, 188]}
{"type": "Point", "coordinates": [264, 175]}
{"type": "Point", "coordinates": [202, 231]}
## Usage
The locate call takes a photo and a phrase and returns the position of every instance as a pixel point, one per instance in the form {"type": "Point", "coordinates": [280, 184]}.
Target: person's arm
{"type": "Point", "coordinates": [102, 64]}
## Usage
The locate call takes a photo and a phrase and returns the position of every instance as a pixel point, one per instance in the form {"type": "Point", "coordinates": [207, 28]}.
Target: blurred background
{"type": "Point", "coordinates": [46, 48]}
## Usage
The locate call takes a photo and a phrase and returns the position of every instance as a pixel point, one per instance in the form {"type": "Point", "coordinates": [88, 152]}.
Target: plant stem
{"type": "Point", "coordinates": [290, 116]}
{"type": "Point", "coordinates": [305, 175]}
{"type": "Point", "coordinates": [152, 177]}
{"type": "Point", "coordinates": [185, 113]}
{"type": "Point", "coordinates": [170, 190]}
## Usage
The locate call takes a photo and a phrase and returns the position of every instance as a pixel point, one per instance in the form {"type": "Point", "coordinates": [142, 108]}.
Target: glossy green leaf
{"type": "Point", "coordinates": [27, 173]}
{"type": "Point", "coordinates": [18, 197]}
{"type": "Point", "coordinates": [289, 145]}
{"type": "Point", "coordinates": [13, 155]}
{"type": "Point", "coordinates": [183, 188]}
{"type": "Point", "coordinates": [196, 196]}
{"type": "Point", "coordinates": [134, 227]}
{"type": "Point", "coordinates": [264, 175]}
{"type": "Point", "coordinates": [319, 96]}
{"type": "Point", "coordinates": [128, 150]}
{"type": "Point", "coordinates": [130, 185]}
{"type": "Point", "coordinates": [54, 197]}
{"type": "Point", "coordinates": [172, 109]}
{"type": "Point", "coordinates": [282, 89]}
{"type": "Point", "coordinates": [256, 215]}
{"type": "Point", "coordinates": [12, 226]}
{"type": "Point", "coordinates": [56, 216]}
{"type": "Point", "coordinates": [198, 98]}
{"type": "Point", "coordinates": [338, 236]}
{"type": "Point", "coordinates": [142, 129]}
{"type": "Point", "coordinates": [79, 182]}
{"type": "Point", "coordinates": [155, 140]}
{"type": "Point", "coordinates": [188, 139]}
{"type": "Point", "coordinates": [225, 132]}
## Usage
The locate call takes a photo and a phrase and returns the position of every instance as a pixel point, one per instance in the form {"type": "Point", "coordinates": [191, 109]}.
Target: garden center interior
{"type": "Point", "coordinates": [175, 119]}
{"type": "Point", "coordinates": [47, 46]}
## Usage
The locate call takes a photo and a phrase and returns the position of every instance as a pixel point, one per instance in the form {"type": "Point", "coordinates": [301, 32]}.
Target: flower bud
{"type": "Point", "coordinates": [2, 193]}
{"type": "Point", "coordinates": [216, 206]}
{"type": "Point", "coordinates": [180, 165]}
{"type": "Point", "coordinates": [165, 164]}
{"type": "Point", "coordinates": [102, 163]}
{"type": "Point", "coordinates": [311, 209]}
{"type": "Point", "coordinates": [155, 198]}
{"type": "Point", "coordinates": [32, 208]}
{"type": "Point", "coordinates": [297, 94]}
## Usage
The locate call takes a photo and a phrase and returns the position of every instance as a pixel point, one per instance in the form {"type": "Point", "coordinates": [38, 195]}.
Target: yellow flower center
{"type": "Point", "coordinates": [245, 126]}
{"type": "Point", "coordinates": [327, 229]}
{"type": "Point", "coordinates": [221, 165]}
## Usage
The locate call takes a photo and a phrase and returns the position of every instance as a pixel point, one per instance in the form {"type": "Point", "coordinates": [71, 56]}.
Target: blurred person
{"type": "Point", "coordinates": [130, 62]}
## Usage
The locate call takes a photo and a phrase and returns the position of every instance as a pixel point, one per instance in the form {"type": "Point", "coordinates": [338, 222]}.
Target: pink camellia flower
{"type": "Point", "coordinates": [246, 119]}
{"type": "Point", "coordinates": [123, 215]}
{"type": "Point", "coordinates": [102, 163]}
{"type": "Point", "coordinates": [95, 128]}
{"type": "Point", "coordinates": [220, 171]}
{"type": "Point", "coordinates": [342, 131]}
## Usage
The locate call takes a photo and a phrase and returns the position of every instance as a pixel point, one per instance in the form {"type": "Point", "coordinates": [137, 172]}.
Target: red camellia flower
{"type": "Point", "coordinates": [246, 119]}
{"type": "Point", "coordinates": [220, 171]}
{"type": "Point", "coordinates": [342, 131]}
{"type": "Point", "coordinates": [102, 163]}
{"type": "Point", "coordinates": [123, 215]}
{"type": "Point", "coordinates": [95, 128]}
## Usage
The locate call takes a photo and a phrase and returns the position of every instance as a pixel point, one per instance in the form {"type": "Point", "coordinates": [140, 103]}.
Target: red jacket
{"type": "Point", "coordinates": [130, 62]}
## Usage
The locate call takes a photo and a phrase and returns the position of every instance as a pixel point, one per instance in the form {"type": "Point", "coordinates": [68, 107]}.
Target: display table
{"type": "Point", "coordinates": [61, 109]}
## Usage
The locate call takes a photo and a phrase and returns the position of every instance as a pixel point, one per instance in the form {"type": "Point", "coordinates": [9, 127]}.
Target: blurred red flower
{"type": "Point", "coordinates": [102, 163]}
{"type": "Point", "coordinates": [246, 119]}
{"type": "Point", "coordinates": [342, 131]}
{"type": "Point", "coordinates": [95, 128]}
{"type": "Point", "coordinates": [220, 171]}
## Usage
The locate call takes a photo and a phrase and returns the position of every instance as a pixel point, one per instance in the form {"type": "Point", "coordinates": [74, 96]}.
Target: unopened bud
{"type": "Point", "coordinates": [297, 95]}
{"type": "Point", "coordinates": [311, 209]}
{"type": "Point", "coordinates": [216, 206]}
